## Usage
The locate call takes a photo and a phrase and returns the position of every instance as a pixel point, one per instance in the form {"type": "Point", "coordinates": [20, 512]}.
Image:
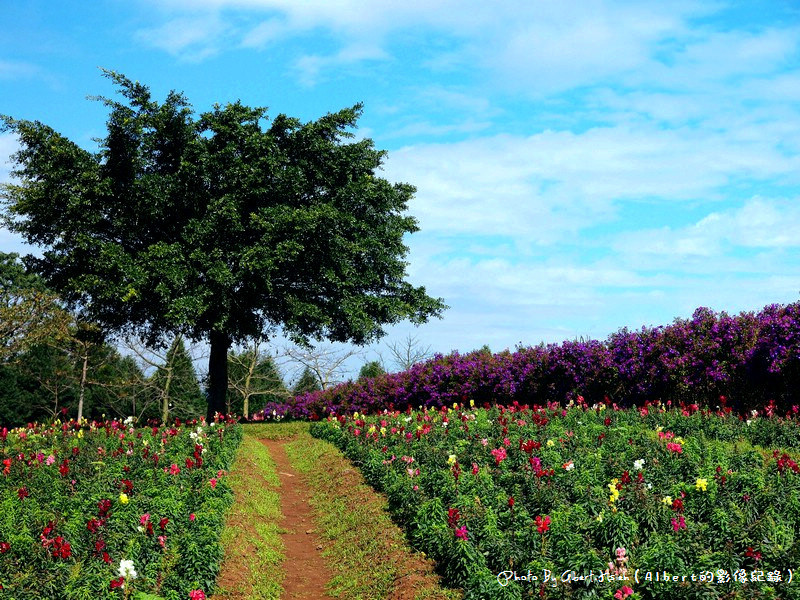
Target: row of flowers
{"type": "Point", "coordinates": [104, 509]}
{"type": "Point", "coordinates": [516, 489]}
{"type": "Point", "coordinates": [710, 360]}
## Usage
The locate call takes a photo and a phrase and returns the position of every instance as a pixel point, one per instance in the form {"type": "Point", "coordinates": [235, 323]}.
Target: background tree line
{"type": "Point", "coordinates": [52, 364]}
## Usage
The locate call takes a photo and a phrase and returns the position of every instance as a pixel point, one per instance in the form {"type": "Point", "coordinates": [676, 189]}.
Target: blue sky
{"type": "Point", "coordinates": [581, 166]}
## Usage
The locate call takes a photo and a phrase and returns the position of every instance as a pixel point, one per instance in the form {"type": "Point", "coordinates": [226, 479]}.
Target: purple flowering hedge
{"type": "Point", "coordinates": [743, 362]}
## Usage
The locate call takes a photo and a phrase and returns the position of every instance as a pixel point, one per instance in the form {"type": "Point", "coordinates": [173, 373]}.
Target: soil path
{"type": "Point", "coordinates": [306, 571]}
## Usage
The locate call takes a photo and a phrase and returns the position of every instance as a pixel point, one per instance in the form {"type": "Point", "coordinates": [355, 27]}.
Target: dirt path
{"type": "Point", "coordinates": [306, 572]}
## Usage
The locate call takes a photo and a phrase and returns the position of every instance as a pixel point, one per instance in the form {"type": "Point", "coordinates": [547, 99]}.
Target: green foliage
{"type": "Point", "coordinates": [176, 383]}
{"type": "Point", "coordinates": [682, 504]}
{"type": "Point", "coordinates": [371, 369]}
{"type": "Point", "coordinates": [308, 382]}
{"type": "Point", "coordinates": [168, 522]}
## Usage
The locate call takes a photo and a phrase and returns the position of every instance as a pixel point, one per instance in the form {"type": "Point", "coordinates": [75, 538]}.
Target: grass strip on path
{"type": "Point", "coordinates": [372, 557]}
{"type": "Point", "coordinates": [252, 566]}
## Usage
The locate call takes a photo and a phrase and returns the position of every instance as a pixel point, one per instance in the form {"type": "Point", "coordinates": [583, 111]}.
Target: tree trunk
{"type": "Point", "coordinates": [165, 397]}
{"type": "Point", "coordinates": [217, 373]}
{"type": "Point", "coordinates": [83, 386]}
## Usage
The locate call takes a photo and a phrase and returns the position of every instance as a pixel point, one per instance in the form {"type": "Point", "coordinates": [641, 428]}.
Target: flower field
{"type": "Point", "coordinates": [590, 502]}
{"type": "Point", "coordinates": [104, 510]}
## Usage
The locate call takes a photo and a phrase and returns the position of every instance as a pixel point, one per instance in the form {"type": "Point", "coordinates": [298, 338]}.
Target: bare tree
{"type": "Point", "coordinates": [253, 372]}
{"type": "Point", "coordinates": [407, 352]}
{"type": "Point", "coordinates": [158, 360]}
{"type": "Point", "coordinates": [327, 364]}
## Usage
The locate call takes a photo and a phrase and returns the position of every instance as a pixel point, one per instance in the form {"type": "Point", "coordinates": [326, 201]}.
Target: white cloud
{"type": "Point", "coordinates": [17, 69]}
{"type": "Point", "coordinates": [546, 186]}
{"type": "Point", "coordinates": [759, 223]}
{"type": "Point", "coordinates": [191, 38]}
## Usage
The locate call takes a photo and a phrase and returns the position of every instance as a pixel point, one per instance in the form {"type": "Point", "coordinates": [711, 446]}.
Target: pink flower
{"type": "Point", "coordinates": [623, 593]}
{"type": "Point", "coordinates": [197, 595]}
{"type": "Point", "coordinates": [474, 468]}
{"type": "Point", "coordinates": [144, 519]}
{"type": "Point", "coordinates": [213, 482]}
{"type": "Point", "coordinates": [174, 469]}
{"type": "Point", "coordinates": [499, 454]}
{"type": "Point", "coordinates": [680, 523]}
{"type": "Point", "coordinates": [191, 517]}
{"type": "Point", "coordinates": [674, 447]}
{"type": "Point", "coordinates": [461, 532]}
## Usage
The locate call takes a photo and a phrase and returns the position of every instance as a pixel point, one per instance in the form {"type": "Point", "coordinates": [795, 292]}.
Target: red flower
{"type": "Point", "coordinates": [23, 492]}
{"type": "Point", "coordinates": [4, 547]}
{"type": "Point", "coordinates": [93, 525]}
{"type": "Point", "coordinates": [542, 524]}
{"type": "Point", "coordinates": [117, 583]}
{"type": "Point", "coordinates": [64, 468]}
{"type": "Point", "coordinates": [753, 554]}
{"type": "Point", "coordinates": [452, 517]}
{"type": "Point", "coordinates": [511, 501]}
{"type": "Point", "coordinates": [163, 523]}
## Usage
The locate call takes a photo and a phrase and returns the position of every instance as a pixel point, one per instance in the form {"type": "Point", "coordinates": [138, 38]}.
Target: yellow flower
{"type": "Point", "coordinates": [614, 491]}
{"type": "Point", "coordinates": [451, 459]}
{"type": "Point", "coordinates": [472, 403]}
{"type": "Point", "coordinates": [383, 430]}
{"type": "Point", "coordinates": [667, 500]}
{"type": "Point", "coordinates": [679, 440]}
{"type": "Point", "coordinates": [455, 405]}
{"type": "Point", "coordinates": [701, 484]}
{"type": "Point", "coordinates": [355, 415]}
{"type": "Point", "coordinates": [550, 443]}
{"type": "Point", "coordinates": [600, 518]}
{"type": "Point", "coordinates": [123, 498]}
{"type": "Point", "coordinates": [80, 434]}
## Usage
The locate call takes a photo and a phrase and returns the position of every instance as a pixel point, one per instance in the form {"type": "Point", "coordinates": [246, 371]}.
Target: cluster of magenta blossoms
{"type": "Point", "coordinates": [740, 362]}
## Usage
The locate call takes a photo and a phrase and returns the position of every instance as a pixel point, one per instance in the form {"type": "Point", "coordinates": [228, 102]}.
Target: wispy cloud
{"type": "Point", "coordinates": [17, 69]}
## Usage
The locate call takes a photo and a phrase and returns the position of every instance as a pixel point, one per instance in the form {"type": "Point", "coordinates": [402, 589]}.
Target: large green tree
{"type": "Point", "coordinates": [220, 226]}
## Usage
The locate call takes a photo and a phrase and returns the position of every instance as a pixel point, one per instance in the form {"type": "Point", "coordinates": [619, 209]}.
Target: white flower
{"type": "Point", "coordinates": [129, 420]}
{"type": "Point", "coordinates": [193, 435]}
{"type": "Point", "coordinates": [754, 412]}
{"type": "Point", "coordinates": [639, 464]}
{"type": "Point", "coordinates": [140, 529]}
{"type": "Point", "coordinates": [649, 486]}
{"type": "Point", "coordinates": [407, 419]}
{"type": "Point", "coordinates": [444, 424]}
{"type": "Point", "coordinates": [748, 421]}
{"type": "Point", "coordinates": [126, 569]}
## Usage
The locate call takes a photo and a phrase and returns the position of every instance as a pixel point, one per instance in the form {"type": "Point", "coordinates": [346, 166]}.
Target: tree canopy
{"type": "Point", "coordinates": [217, 226]}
